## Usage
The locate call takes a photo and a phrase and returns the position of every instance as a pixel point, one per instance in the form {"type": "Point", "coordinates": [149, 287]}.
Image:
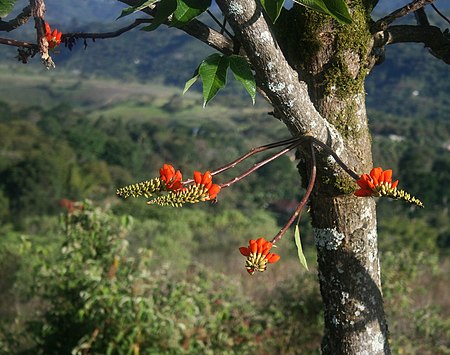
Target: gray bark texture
{"type": "Point", "coordinates": [312, 71]}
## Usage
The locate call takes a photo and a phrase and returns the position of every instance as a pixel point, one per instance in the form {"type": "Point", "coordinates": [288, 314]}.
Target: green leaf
{"type": "Point", "coordinates": [339, 10]}
{"type": "Point", "coordinates": [272, 8]}
{"type": "Point", "coordinates": [140, 6]}
{"type": "Point", "coordinates": [243, 73]}
{"type": "Point", "coordinates": [213, 71]}
{"type": "Point", "coordinates": [188, 10]}
{"type": "Point", "coordinates": [298, 243]}
{"type": "Point", "coordinates": [163, 11]}
{"type": "Point", "coordinates": [6, 6]}
{"type": "Point", "coordinates": [335, 8]}
{"type": "Point", "coordinates": [191, 81]}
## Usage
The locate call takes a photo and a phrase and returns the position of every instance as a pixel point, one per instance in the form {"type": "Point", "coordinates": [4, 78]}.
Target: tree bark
{"type": "Point", "coordinates": [312, 70]}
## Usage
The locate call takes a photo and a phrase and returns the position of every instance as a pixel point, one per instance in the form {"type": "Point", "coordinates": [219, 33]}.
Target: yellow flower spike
{"type": "Point", "coordinates": [190, 194]}
{"type": "Point", "coordinates": [379, 184]}
{"type": "Point", "coordinates": [145, 188]}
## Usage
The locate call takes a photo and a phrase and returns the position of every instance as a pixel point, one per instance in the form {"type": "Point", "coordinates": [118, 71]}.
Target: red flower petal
{"type": "Point", "coordinates": [260, 242]}
{"type": "Point", "coordinates": [387, 176]}
{"type": "Point", "coordinates": [363, 181]}
{"type": "Point", "coordinates": [272, 258]}
{"type": "Point", "coordinates": [197, 177]}
{"type": "Point", "coordinates": [244, 251]}
{"type": "Point", "coordinates": [394, 184]}
{"type": "Point", "coordinates": [213, 191]}
{"type": "Point", "coordinates": [207, 179]}
{"type": "Point", "coordinates": [48, 30]}
{"type": "Point", "coordinates": [375, 173]}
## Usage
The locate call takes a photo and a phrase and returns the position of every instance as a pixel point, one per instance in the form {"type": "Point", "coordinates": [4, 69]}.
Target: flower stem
{"type": "Point", "coordinates": [305, 198]}
{"type": "Point", "coordinates": [292, 143]}
{"type": "Point", "coordinates": [260, 164]}
{"type": "Point", "coordinates": [335, 156]}
{"type": "Point", "coordinates": [253, 151]}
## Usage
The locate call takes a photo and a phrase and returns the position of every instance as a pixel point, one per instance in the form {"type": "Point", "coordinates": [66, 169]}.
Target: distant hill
{"type": "Point", "coordinates": [409, 76]}
{"type": "Point", "coordinates": [79, 11]}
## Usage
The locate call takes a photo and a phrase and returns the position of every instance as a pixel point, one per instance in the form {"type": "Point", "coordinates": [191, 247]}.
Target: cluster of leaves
{"type": "Point", "coordinates": [6, 6]}
{"type": "Point", "coordinates": [101, 299]}
{"type": "Point", "coordinates": [213, 73]}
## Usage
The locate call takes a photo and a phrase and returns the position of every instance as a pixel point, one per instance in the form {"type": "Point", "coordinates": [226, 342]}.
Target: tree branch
{"type": "Point", "coordinates": [276, 78]}
{"type": "Point", "coordinates": [421, 17]}
{"type": "Point", "coordinates": [20, 44]}
{"type": "Point", "coordinates": [20, 19]}
{"type": "Point", "coordinates": [199, 30]}
{"type": "Point", "coordinates": [38, 12]}
{"type": "Point", "coordinates": [431, 36]}
{"type": "Point", "coordinates": [101, 35]}
{"type": "Point", "coordinates": [71, 37]}
{"type": "Point", "coordinates": [440, 13]}
{"type": "Point", "coordinates": [384, 22]}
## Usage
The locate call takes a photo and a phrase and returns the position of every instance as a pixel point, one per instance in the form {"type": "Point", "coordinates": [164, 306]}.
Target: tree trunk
{"type": "Point", "coordinates": [344, 225]}
{"type": "Point", "coordinates": [312, 70]}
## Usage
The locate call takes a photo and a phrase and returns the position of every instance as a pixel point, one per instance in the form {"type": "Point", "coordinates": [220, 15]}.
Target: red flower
{"type": "Point", "coordinates": [171, 177]}
{"type": "Point", "coordinates": [71, 206]}
{"type": "Point", "coordinates": [206, 180]}
{"type": "Point", "coordinates": [53, 37]}
{"type": "Point", "coordinates": [258, 255]}
{"type": "Point", "coordinates": [379, 182]}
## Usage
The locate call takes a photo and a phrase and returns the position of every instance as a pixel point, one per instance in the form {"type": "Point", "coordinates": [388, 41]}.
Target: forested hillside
{"type": "Point", "coordinates": [96, 122]}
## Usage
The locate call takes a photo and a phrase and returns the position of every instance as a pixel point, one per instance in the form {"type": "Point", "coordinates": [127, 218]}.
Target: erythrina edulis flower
{"type": "Point", "coordinates": [376, 184]}
{"type": "Point", "coordinates": [206, 181]}
{"type": "Point", "coordinates": [258, 255]}
{"type": "Point", "coordinates": [53, 37]}
{"type": "Point", "coordinates": [379, 183]}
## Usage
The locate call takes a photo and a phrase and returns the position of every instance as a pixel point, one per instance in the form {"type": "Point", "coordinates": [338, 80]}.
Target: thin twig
{"type": "Point", "coordinates": [304, 200]}
{"type": "Point", "coordinates": [112, 34]}
{"type": "Point", "coordinates": [335, 156]}
{"type": "Point", "coordinates": [259, 165]}
{"type": "Point", "coordinates": [252, 152]}
{"type": "Point", "coordinates": [440, 13]}
{"type": "Point", "coordinates": [384, 22]}
{"type": "Point", "coordinates": [249, 154]}
{"type": "Point", "coordinates": [222, 25]}
{"type": "Point", "coordinates": [14, 43]}
{"type": "Point", "coordinates": [294, 142]}
{"type": "Point", "coordinates": [199, 30]}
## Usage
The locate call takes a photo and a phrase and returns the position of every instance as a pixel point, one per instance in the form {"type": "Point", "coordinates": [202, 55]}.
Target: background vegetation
{"type": "Point", "coordinates": [118, 276]}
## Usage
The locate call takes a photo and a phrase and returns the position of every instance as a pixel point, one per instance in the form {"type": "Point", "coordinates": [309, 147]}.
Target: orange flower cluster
{"type": "Point", "coordinates": [378, 183]}
{"type": "Point", "coordinates": [178, 192]}
{"type": "Point", "coordinates": [205, 181]}
{"type": "Point", "coordinates": [53, 37]}
{"type": "Point", "coordinates": [258, 255]}
{"type": "Point", "coordinates": [171, 178]}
